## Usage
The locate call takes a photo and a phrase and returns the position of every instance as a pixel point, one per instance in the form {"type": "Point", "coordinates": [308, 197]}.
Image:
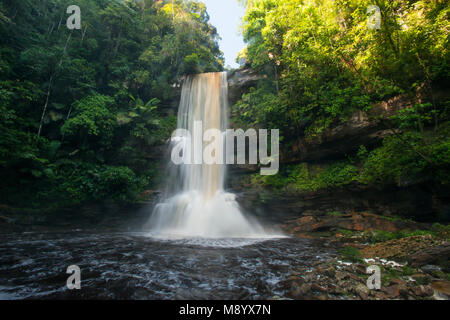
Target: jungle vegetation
{"type": "Point", "coordinates": [80, 110]}
{"type": "Point", "coordinates": [322, 63]}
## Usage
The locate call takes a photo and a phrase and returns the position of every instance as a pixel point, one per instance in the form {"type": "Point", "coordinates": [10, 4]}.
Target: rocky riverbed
{"type": "Point", "coordinates": [414, 264]}
{"type": "Point", "coordinates": [326, 258]}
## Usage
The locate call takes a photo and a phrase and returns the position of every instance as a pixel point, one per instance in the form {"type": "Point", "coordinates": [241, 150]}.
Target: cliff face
{"type": "Point", "coordinates": [363, 128]}
{"type": "Point", "coordinates": [417, 199]}
{"type": "Point", "coordinates": [239, 81]}
{"type": "Point", "coordinates": [337, 141]}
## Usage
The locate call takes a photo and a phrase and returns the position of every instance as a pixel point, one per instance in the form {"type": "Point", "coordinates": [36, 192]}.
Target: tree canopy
{"type": "Point", "coordinates": [80, 109]}
{"type": "Point", "coordinates": [323, 62]}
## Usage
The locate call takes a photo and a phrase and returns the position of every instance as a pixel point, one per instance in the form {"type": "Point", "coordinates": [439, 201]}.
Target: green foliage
{"type": "Point", "coordinates": [404, 157]}
{"type": "Point", "coordinates": [87, 182]}
{"type": "Point", "coordinates": [382, 236]}
{"type": "Point", "coordinates": [437, 231]}
{"type": "Point", "coordinates": [304, 177]}
{"type": "Point", "coordinates": [321, 64]}
{"type": "Point", "coordinates": [441, 231]}
{"type": "Point", "coordinates": [166, 125]}
{"type": "Point", "coordinates": [402, 160]}
{"type": "Point", "coordinates": [351, 254]}
{"type": "Point", "coordinates": [336, 214]}
{"type": "Point", "coordinates": [99, 95]}
{"type": "Point", "coordinates": [191, 64]}
{"type": "Point", "coordinates": [345, 232]}
{"type": "Point", "coordinates": [92, 117]}
{"type": "Point", "coordinates": [437, 227]}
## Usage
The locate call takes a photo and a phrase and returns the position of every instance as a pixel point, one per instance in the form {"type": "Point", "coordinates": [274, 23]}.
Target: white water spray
{"type": "Point", "coordinates": [195, 203]}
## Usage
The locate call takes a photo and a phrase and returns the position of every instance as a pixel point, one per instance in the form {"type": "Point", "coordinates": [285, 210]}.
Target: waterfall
{"type": "Point", "coordinates": [195, 203]}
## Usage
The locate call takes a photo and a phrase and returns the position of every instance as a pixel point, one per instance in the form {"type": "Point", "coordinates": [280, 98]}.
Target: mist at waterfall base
{"type": "Point", "coordinates": [201, 246]}
{"type": "Point", "coordinates": [195, 204]}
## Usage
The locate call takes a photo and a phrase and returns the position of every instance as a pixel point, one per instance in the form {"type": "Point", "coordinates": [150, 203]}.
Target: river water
{"type": "Point", "coordinates": [128, 265]}
{"type": "Point", "coordinates": [119, 264]}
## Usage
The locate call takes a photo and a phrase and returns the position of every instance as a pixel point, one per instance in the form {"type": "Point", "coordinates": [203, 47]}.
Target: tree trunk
{"type": "Point", "coordinates": [45, 106]}
{"type": "Point", "coordinates": [50, 86]}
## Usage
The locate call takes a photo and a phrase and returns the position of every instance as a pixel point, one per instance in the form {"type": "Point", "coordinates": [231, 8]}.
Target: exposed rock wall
{"type": "Point", "coordinates": [422, 201]}
{"type": "Point", "coordinates": [363, 128]}
{"type": "Point", "coordinates": [239, 81]}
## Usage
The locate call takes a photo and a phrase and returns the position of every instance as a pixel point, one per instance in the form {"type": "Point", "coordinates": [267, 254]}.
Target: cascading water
{"type": "Point", "coordinates": [195, 203]}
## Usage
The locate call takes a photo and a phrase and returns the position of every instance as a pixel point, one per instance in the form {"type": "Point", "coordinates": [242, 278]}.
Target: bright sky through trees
{"type": "Point", "coordinates": [226, 16]}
